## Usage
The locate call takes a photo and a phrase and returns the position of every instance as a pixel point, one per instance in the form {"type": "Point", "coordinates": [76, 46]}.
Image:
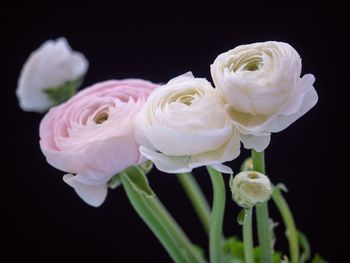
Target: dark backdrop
{"type": "Point", "coordinates": [48, 222]}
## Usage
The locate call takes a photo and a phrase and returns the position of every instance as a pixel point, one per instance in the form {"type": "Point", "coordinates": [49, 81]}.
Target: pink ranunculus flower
{"type": "Point", "coordinates": [91, 136]}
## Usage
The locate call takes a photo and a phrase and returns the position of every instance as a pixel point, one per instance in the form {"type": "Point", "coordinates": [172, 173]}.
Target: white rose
{"type": "Point", "coordinates": [183, 125]}
{"type": "Point", "coordinates": [48, 67]}
{"type": "Point", "coordinates": [263, 90]}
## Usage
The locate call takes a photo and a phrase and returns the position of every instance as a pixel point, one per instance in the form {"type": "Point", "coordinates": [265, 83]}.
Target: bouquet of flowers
{"type": "Point", "coordinates": [111, 134]}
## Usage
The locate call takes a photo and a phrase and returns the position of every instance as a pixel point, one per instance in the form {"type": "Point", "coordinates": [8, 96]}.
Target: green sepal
{"type": "Point", "coordinates": [114, 182]}
{"type": "Point", "coordinates": [318, 259]}
{"type": "Point", "coordinates": [282, 187]}
{"type": "Point", "coordinates": [241, 216]}
{"type": "Point", "coordinates": [138, 180]}
{"type": "Point", "coordinates": [146, 167]}
{"type": "Point", "coordinates": [63, 92]}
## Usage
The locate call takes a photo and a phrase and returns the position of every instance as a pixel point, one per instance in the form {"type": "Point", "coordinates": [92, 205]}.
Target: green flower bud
{"type": "Point", "coordinates": [249, 188]}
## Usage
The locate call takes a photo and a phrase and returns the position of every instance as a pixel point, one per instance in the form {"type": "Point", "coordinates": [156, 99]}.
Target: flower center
{"type": "Point", "coordinates": [183, 97]}
{"type": "Point", "coordinates": [187, 99]}
{"type": "Point", "coordinates": [247, 62]}
{"type": "Point", "coordinates": [101, 117]}
{"type": "Point", "coordinates": [253, 175]}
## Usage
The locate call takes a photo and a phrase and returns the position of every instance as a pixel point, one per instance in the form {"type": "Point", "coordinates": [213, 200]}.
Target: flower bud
{"type": "Point", "coordinates": [50, 76]}
{"type": "Point", "coordinates": [249, 188]}
{"type": "Point", "coordinates": [247, 165]}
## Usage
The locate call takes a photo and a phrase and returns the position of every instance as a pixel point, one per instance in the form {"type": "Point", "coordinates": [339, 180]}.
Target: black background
{"type": "Point", "coordinates": [47, 222]}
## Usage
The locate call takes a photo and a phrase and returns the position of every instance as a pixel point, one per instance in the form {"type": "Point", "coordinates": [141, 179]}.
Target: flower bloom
{"type": "Point", "coordinates": [48, 67]}
{"type": "Point", "coordinates": [91, 136]}
{"type": "Point", "coordinates": [183, 125]}
{"type": "Point", "coordinates": [263, 90]}
{"type": "Point", "coordinates": [249, 188]}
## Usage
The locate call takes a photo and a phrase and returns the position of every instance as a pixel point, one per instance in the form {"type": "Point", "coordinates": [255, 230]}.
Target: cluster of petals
{"type": "Point", "coordinates": [183, 124]}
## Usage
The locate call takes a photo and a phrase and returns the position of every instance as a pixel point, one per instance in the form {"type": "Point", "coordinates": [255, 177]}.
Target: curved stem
{"type": "Point", "coordinates": [217, 216]}
{"type": "Point", "coordinates": [292, 232]}
{"type": "Point", "coordinates": [248, 236]}
{"type": "Point", "coordinates": [149, 217]}
{"type": "Point", "coordinates": [262, 213]}
{"type": "Point", "coordinates": [197, 198]}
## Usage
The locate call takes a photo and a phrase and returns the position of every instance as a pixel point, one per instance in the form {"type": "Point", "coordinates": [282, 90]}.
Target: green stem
{"type": "Point", "coordinates": [197, 198]}
{"type": "Point", "coordinates": [248, 236]}
{"type": "Point", "coordinates": [175, 230]}
{"type": "Point", "coordinates": [217, 216]}
{"type": "Point", "coordinates": [262, 213]}
{"type": "Point", "coordinates": [292, 232]}
{"type": "Point", "coordinates": [140, 205]}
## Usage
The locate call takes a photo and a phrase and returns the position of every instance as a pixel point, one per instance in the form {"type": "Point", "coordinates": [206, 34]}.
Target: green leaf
{"type": "Point", "coordinates": [318, 259]}
{"type": "Point", "coordinates": [114, 182]}
{"type": "Point", "coordinates": [276, 257]}
{"type": "Point", "coordinates": [305, 246]}
{"type": "Point", "coordinates": [199, 251]}
{"type": "Point", "coordinates": [63, 92]}
{"type": "Point", "coordinates": [142, 206]}
{"type": "Point", "coordinates": [139, 181]}
{"type": "Point", "coordinates": [233, 250]}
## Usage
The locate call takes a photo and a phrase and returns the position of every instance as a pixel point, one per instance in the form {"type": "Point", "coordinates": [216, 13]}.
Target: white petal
{"type": "Point", "coordinates": [295, 101]}
{"type": "Point", "coordinates": [227, 152]}
{"type": "Point", "coordinates": [93, 195]}
{"type": "Point", "coordinates": [165, 163]}
{"type": "Point", "coordinates": [259, 143]}
{"type": "Point", "coordinates": [174, 142]}
{"type": "Point", "coordinates": [231, 89]}
{"type": "Point", "coordinates": [113, 155]}
{"type": "Point", "coordinates": [185, 76]}
{"type": "Point", "coordinates": [247, 123]}
{"type": "Point", "coordinates": [222, 168]}
{"type": "Point", "coordinates": [283, 121]}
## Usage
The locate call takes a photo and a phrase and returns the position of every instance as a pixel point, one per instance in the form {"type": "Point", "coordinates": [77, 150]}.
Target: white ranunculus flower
{"type": "Point", "coordinates": [48, 67]}
{"type": "Point", "coordinates": [262, 87]}
{"type": "Point", "coordinates": [183, 125]}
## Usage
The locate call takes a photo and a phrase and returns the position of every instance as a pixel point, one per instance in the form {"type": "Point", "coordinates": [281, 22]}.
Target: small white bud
{"type": "Point", "coordinates": [249, 188]}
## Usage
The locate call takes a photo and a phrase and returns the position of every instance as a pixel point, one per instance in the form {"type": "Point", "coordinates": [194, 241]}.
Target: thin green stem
{"type": "Point", "coordinates": [140, 205]}
{"type": "Point", "coordinates": [197, 198]}
{"type": "Point", "coordinates": [217, 216]}
{"type": "Point", "coordinates": [262, 216]}
{"type": "Point", "coordinates": [262, 213]}
{"type": "Point", "coordinates": [292, 232]}
{"type": "Point", "coordinates": [258, 159]}
{"type": "Point", "coordinates": [248, 236]}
